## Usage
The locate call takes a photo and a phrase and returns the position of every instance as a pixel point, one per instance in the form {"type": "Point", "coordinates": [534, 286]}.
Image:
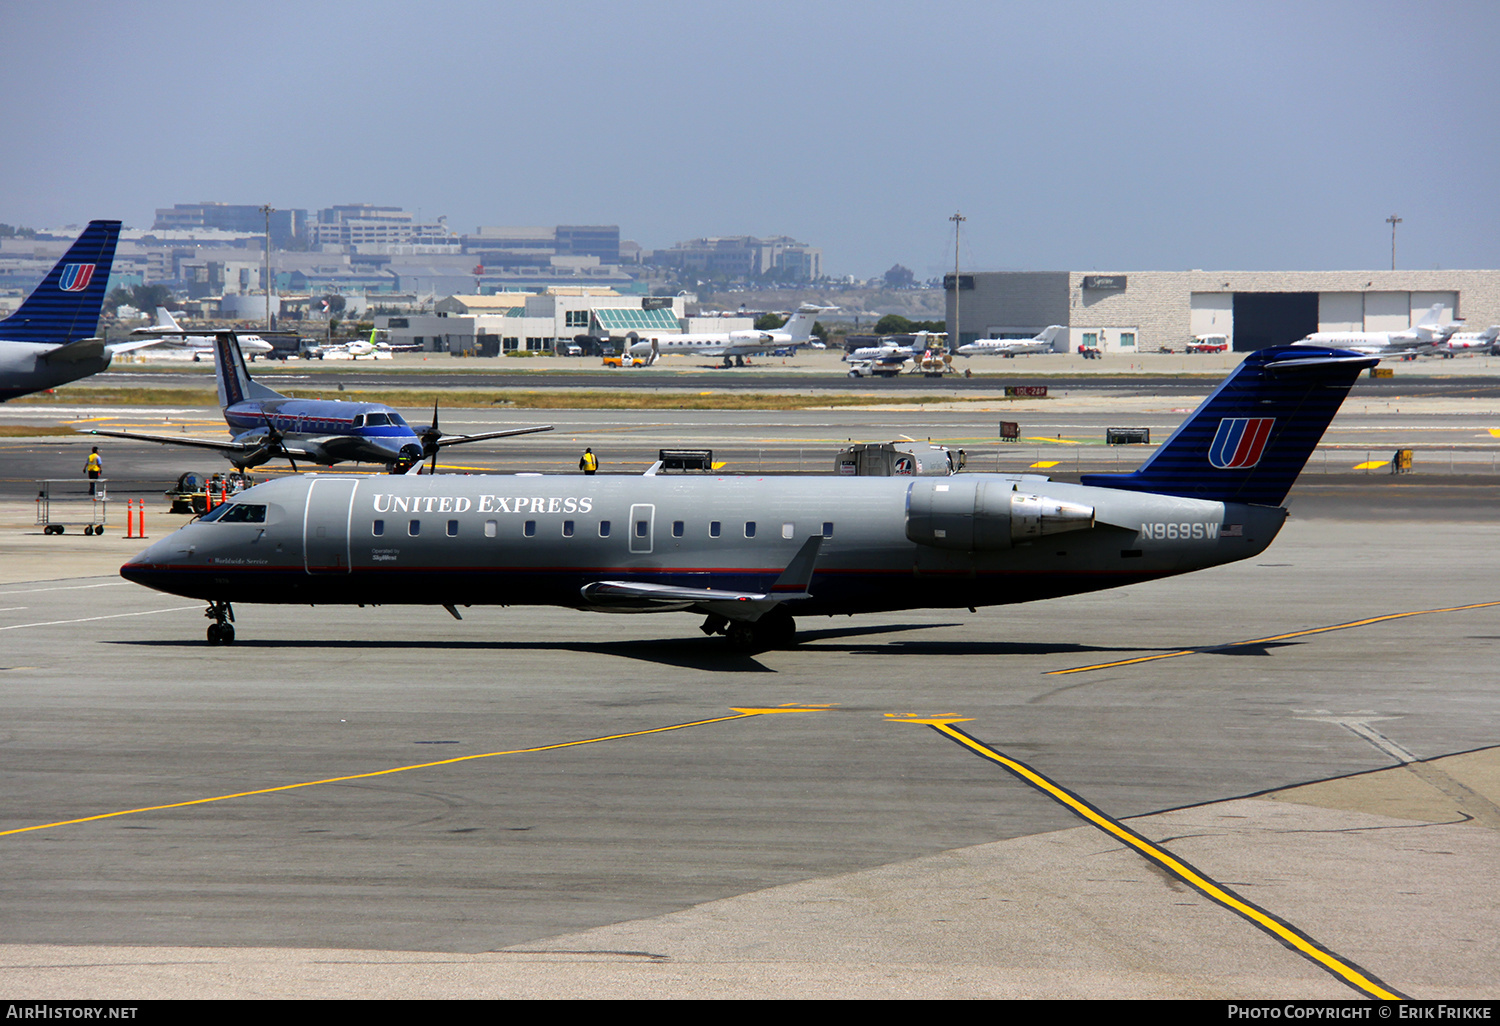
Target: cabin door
{"type": "Point", "coordinates": [642, 526]}
{"type": "Point", "coordinates": [325, 525]}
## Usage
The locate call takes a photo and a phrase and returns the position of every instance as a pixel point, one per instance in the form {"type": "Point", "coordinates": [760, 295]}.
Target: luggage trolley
{"type": "Point", "coordinates": [63, 502]}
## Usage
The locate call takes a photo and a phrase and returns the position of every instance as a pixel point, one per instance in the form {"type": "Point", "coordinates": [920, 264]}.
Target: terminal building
{"type": "Point", "coordinates": [1157, 311]}
{"type": "Point", "coordinates": [520, 322]}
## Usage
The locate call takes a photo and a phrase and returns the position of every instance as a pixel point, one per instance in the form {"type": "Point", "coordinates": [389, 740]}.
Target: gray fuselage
{"type": "Point", "coordinates": [888, 543]}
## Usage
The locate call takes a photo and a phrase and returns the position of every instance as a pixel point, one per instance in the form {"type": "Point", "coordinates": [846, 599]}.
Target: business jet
{"type": "Point", "coordinates": [748, 554]}
{"type": "Point", "coordinates": [889, 357]}
{"type": "Point", "coordinates": [355, 349]}
{"type": "Point", "coordinates": [198, 346]}
{"type": "Point", "coordinates": [1425, 336]}
{"type": "Point", "coordinates": [1472, 342]}
{"type": "Point", "coordinates": [50, 340]}
{"type": "Point", "coordinates": [1012, 347]}
{"type": "Point", "coordinates": [732, 346]}
{"type": "Point", "coordinates": [266, 425]}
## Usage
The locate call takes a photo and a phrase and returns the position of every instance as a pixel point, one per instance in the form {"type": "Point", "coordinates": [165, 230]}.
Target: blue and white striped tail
{"type": "Point", "coordinates": [65, 306]}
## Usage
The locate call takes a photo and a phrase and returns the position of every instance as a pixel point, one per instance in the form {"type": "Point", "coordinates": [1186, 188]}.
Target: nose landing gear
{"type": "Point", "coordinates": [221, 631]}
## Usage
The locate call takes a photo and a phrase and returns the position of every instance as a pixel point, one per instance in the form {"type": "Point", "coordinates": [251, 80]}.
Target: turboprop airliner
{"type": "Point", "coordinates": [748, 554]}
{"type": "Point", "coordinates": [49, 340]}
{"type": "Point", "coordinates": [267, 425]}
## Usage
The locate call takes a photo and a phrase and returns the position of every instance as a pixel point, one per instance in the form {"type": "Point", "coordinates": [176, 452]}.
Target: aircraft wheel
{"type": "Point", "coordinates": [741, 636]}
{"type": "Point", "coordinates": [220, 634]}
{"type": "Point", "coordinates": [777, 629]}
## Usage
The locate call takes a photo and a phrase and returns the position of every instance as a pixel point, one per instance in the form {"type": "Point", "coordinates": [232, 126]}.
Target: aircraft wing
{"type": "Point", "coordinates": [640, 597]}
{"type": "Point", "coordinates": [460, 439]}
{"type": "Point", "coordinates": [141, 343]}
{"type": "Point", "coordinates": [217, 445]}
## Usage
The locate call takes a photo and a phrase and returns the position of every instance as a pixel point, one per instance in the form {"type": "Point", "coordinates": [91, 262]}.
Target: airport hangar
{"type": "Point", "coordinates": [1154, 311]}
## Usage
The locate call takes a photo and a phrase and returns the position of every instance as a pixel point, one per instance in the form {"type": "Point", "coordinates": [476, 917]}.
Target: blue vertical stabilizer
{"type": "Point", "coordinates": [65, 306]}
{"type": "Point", "coordinates": [1249, 440]}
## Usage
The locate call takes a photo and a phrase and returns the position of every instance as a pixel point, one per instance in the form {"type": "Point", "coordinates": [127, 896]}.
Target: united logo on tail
{"type": "Point", "coordinates": [76, 277]}
{"type": "Point", "coordinates": [1240, 442]}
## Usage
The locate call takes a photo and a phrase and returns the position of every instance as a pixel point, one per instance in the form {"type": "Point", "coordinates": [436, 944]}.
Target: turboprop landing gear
{"type": "Point", "coordinates": [221, 631]}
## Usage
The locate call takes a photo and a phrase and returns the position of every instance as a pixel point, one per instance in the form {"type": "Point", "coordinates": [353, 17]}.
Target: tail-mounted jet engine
{"type": "Point", "coordinates": [971, 514]}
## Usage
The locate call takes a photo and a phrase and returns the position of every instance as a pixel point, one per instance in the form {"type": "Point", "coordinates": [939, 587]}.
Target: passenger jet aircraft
{"type": "Point", "coordinates": [267, 425]}
{"type": "Point", "coordinates": [1425, 336]}
{"type": "Point", "coordinates": [733, 346]}
{"type": "Point", "coordinates": [750, 553]}
{"type": "Point", "coordinates": [1041, 343]}
{"type": "Point", "coordinates": [200, 345]}
{"type": "Point", "coordinates": [49, 340]}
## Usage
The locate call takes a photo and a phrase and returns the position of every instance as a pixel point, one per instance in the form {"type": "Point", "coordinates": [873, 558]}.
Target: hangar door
{"type": "Point", "coordinates": [1264, 319]}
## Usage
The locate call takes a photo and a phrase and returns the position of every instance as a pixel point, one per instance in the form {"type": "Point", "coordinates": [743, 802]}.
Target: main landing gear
{"type": "Point", "coordinates": [221, 631]}
{"type": "Point", "coordinates": [775, 629]}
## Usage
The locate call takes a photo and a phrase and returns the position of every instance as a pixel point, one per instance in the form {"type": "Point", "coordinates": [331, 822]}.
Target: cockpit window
{"type": "Point", "coordinates": [241, 513]}
{"type": "Point", "coordinates": [214, 514]}
{"type": "Point", "coordinates": [376, 420]}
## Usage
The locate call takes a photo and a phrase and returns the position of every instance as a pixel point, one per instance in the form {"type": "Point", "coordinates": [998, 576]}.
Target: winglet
{"type": "Point", "coordinates": [798, 573]}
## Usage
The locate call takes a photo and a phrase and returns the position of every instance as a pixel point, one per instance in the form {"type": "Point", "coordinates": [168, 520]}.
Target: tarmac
{"type": "Point", "coordinates": [1314, 735]}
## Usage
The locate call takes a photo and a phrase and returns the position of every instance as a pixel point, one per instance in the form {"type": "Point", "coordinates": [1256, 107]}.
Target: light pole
{"type": "Point", "coordinates": [268, 211]}
{"type": "Point", "coordinates": [954, 338]}
{"type": "Point", "coordinates": [1393, 220]}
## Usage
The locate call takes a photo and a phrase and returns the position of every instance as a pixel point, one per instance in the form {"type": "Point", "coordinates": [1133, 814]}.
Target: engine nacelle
{"type": "Point", "coordinates": [974, 514]}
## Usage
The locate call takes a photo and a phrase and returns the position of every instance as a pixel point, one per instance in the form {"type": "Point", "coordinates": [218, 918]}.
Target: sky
{"type": "Point", "coordinates": [1070, 135]}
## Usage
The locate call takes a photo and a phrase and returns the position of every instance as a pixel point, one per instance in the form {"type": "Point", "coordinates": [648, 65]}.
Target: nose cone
{"type": "Point", "coordinates": [159, 565]}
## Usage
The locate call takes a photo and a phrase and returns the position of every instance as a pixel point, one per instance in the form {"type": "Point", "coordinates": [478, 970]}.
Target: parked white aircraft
{"type": "Point", "coordinates": [1425, 336]}
{"type": "Point", "coordinates": [1013, 346]}
{"type": "Point", "coordinates": [1472, 342]}
{"type": "Point", "coordinates": [355, 349]}
{"type": "Point", "coordinates": [201, 347]}
{"type": "Point", "coordinates": [733, 346]}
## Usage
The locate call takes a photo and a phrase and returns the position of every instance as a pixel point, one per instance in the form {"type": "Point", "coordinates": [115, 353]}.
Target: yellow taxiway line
{"type": "Point", "coordinates": [739, 714]}
{"type": "Point", "coordinates": [1275, 637]}
{"type": "Point", "coordinates": [1284, 932]}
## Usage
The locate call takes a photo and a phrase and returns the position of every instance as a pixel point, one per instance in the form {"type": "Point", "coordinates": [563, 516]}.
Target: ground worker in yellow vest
{"type": "Point", "coordinates": [94, 467]}
{"type": "Point", "coordinates": [588, 463]}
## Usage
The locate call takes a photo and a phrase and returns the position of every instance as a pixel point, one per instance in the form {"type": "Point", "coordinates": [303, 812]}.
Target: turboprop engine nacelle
{"type": "Point", "coordinates": [978, 515]}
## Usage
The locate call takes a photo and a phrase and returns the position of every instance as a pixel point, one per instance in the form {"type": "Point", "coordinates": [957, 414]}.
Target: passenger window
{"type": "Point", "coordinates": [453, 529]}
{"type": "Point", "coordinates": [489, 528]}
{"type": "Point", "coordinates": [377, 528]}
{"type": "Point", "coordinates": [828, 529]}
{"type": "Point", "coordinates": [604, 528]}
{"type": "Point", "coordinates": [640, 528]}
{"type": "Point", "coordinates": [786, 530]}
{"type": "Point", "coordinates": [677, 529]}
{"type": "Point", "coordinates": [749, 528]}
{"type": "Point", "coordinates": [530, 529]}
{"type": "Point", "coordinates": [567, 528]}
{"type": "Point", "coordinates": [414, 528]}
{"type": "Point", "coordinates": [713, 528]}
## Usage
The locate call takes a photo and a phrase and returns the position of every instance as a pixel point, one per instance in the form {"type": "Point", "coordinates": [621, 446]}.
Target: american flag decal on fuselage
{"type": "Point", "coordinates": [76, 277]}
{"type": "Point", "coordinates": [1239, 442]}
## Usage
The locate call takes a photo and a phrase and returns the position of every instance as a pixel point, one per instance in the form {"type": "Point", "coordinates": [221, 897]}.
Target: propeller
{"type": "Point", "coordinates": [429, 439]}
